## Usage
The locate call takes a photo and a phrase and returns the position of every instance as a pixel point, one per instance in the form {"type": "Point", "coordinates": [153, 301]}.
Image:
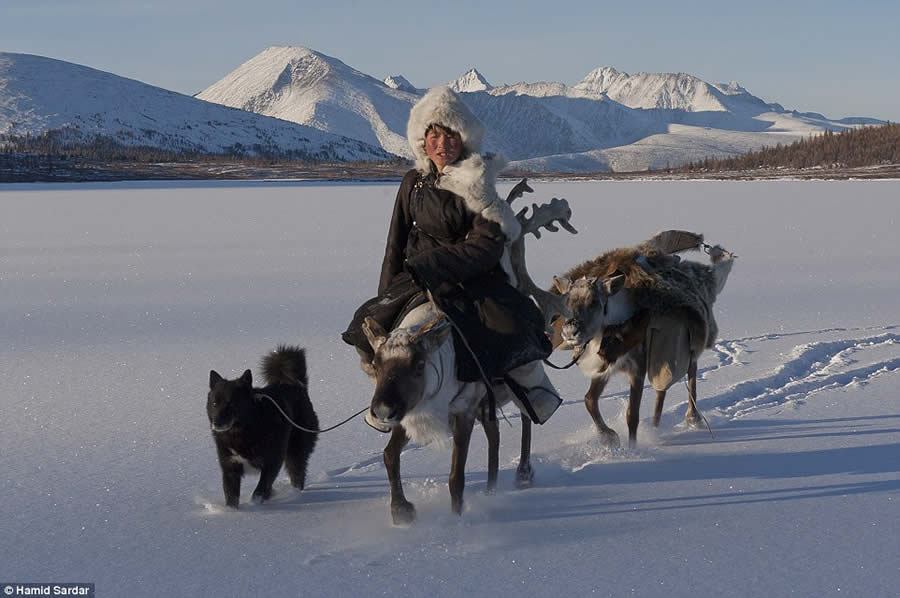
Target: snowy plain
{"type": "Point", "coordinates": [116, 300]}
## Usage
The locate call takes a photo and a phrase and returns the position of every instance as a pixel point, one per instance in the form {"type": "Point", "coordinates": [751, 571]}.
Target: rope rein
{"type": "Point", "coordinates": [298, 426]}
{"type": "Point", "coordinates": [687, 387]}
{"type": "Point", "coordinates": [576, 355]}
{"type": "Point", "coordinates": [440, 375]}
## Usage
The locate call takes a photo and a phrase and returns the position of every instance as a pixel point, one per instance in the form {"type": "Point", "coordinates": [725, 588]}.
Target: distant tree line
{"type": "Point", "coordinates": [66, 145]}
{"type": "Point", "coordinates": [864, 146]}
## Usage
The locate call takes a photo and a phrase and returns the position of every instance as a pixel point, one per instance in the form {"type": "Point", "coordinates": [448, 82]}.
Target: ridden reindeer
{"type": "Point", "coordinates": [418, 396]}
{"type": "Point", "coordinates": [642, 312]}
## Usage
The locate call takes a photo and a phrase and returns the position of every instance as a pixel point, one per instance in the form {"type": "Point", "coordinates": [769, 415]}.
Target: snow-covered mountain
{"type": "Point", "coordinates": [609, 120]}
{"type": "Point", "coordinates": [310, 88]}
{"type": "Point", "coordinates": [39, 94]}
{"type": "Point", "coordinates": [472, 80]}
{"type": "Point", "coordinates": [402, 83]}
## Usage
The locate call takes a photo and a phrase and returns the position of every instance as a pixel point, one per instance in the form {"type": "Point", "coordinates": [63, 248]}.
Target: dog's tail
{"type": "Point", "coordinates": [285, 365]}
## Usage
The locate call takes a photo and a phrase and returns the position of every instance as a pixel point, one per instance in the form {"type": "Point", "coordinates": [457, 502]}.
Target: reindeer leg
{"type": "Point", "coordinates": [633, 414]}
{"type": "Point", "coordinates": [524, 472]}
{"type": "Point", "coordinates": [693, 418]}
{"type": "Point", "coordinates": [657, 411]}
{"type": "Point", "coordinates": [462, 434]}
{"type": "Point", "coordinates": [607, 435]}
{"type": "Point", "coordinates": [402, 511]}
{"type": "Point", "coordinates": [492, 432]}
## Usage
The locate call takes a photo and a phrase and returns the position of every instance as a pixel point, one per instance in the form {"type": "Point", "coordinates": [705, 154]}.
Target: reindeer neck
{"type": "Point", "coordinates": [440, 370]}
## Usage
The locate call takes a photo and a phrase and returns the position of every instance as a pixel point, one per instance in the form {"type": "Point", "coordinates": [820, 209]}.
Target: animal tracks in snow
{"type": "Point", "coordinates": [803, 370]}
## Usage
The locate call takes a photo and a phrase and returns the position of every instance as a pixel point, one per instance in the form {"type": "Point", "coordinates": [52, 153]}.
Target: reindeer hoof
{"type": "Point", "coordinates": [524, 476]}
{"type": "Point", "coordinates": [693, 419]}
{"type": "Point", "coordinates": [610, 439]}
{"type": "Point", "coordinates": [403, 513]}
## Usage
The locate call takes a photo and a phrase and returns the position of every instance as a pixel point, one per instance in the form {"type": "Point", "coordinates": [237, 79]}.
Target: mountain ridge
{"type": "Point", "coordinates": [609, 120]}
{"type": "Point", "coordinates": [592, 124]}
{"type": "Point", "coordinates": [40, 94]}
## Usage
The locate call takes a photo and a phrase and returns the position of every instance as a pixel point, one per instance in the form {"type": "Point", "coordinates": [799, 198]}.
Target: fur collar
{"type": "Point", "coordinates": [474, 179]}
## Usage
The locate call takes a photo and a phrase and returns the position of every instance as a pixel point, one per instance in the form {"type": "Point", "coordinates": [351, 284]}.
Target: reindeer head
{"type": "Point", "coordinates": [588, 302]}
{"type": "Point", "coordinates": [401, 375]}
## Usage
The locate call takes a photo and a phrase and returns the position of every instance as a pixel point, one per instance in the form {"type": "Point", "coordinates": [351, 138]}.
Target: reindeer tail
{"type": "Point", "coordinates": [285, 365]}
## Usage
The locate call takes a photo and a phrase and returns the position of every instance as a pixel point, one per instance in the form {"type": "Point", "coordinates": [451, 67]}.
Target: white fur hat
{"type": "Point", "coordinates": [441, 106]}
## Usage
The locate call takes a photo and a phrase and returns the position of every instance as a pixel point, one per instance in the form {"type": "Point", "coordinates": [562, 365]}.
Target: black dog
{"type": "Point", "coordinates": [249, 429]}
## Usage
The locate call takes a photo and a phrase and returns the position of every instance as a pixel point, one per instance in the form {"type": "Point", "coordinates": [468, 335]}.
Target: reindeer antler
{"type": "Point", "coordinates": [518, 191]}
{"type": "Point", "coordinates": [546, 216]}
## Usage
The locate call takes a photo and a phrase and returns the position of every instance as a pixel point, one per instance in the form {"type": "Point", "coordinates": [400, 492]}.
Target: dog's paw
{"type": "Point", "coordinates": [259, 498]}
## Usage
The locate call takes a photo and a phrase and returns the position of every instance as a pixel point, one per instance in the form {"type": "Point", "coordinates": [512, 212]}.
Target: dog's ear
{"type": "Point", "coordinates": [214, 378]}
{"type": "Point", "coordinates": [247, 378]}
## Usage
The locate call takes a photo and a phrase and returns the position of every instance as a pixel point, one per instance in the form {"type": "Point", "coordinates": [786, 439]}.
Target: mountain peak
{"type": "Point", "coordinates": [732, 87]}
{"type": "Point", "coordinates": [601, 79]}
{"type": "Point", "coordinates": [40, 94]}
{"type": "Point", "coordinates": [471, 81]}
{"type": "Point", "coordinates": [666, 91]}
{"type": "Point", "coordinates": [400, 82]}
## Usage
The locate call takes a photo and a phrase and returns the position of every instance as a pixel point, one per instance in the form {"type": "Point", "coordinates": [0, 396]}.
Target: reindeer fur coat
{"type": "Point", "coordinates": [449, 234]}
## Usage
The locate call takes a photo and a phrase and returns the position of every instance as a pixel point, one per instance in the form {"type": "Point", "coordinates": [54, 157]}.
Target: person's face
{"type": "Point", "coordinates": [442, 146]}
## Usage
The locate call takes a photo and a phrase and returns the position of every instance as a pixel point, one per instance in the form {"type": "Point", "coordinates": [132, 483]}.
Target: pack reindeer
{"type": "Point", "coordinates": [645, 313]}
{"type": "Point", "coordinates": [418, 396]}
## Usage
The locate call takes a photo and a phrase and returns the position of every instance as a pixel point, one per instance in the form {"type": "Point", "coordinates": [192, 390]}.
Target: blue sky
{"type": "Point", "coordinates": [838, 58]}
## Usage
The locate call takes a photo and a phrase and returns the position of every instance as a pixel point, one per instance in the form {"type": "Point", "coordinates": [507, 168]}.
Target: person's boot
{"type": "Point", "coordinates": [534, 391]}
{"type": "Point", "coordinates": [544, 404]}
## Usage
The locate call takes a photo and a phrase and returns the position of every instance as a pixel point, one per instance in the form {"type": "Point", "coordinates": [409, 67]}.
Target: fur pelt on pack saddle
{"type": "Point", "coordinates": [660, 282]}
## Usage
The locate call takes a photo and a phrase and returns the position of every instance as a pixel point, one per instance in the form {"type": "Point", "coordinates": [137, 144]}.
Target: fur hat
{"type": "Point", "coordinates": [441, 106]}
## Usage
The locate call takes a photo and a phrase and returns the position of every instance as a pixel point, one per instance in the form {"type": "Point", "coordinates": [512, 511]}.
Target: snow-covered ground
{"type": "Point", "coordinates": [118, 299]}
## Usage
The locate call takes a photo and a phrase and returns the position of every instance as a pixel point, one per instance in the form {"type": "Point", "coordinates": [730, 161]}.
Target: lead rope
{"type": "Point", "coordinates": [687, 387]}
{"type": "Point", "coordinates": [576, 355]}
{"type": "Point", "coordinates": [260, 395]}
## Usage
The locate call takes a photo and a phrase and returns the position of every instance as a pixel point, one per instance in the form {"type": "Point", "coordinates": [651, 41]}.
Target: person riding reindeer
{"type": "Point", "coordinates": [449, 238]}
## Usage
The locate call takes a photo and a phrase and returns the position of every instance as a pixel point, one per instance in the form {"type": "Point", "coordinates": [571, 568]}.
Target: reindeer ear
{"type": "Point", "coordinates": [247, 378]}
{"type": "Point", "coordinates": [436, 336]}
{"type": "Point", "coordinates": [374, 332]}
{"type": "Point", "coordinates": [556, 325]}
{"type": "Point", "coordinates": [612, 285]}
{"type": "Point", "coordinates": [214, 378]}
{"type": "Point", "coordinates": [562, 285]}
